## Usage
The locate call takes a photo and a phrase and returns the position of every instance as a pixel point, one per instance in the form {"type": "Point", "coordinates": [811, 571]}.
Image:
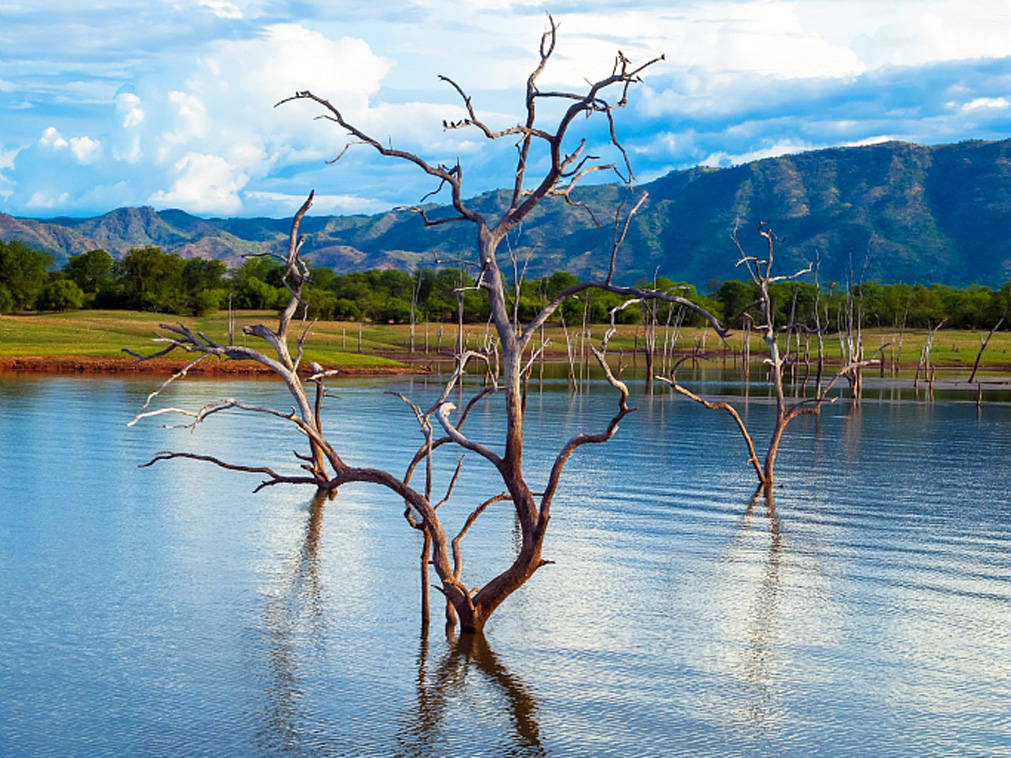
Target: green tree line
{"type": "Point", "coordinates": [149, 279]}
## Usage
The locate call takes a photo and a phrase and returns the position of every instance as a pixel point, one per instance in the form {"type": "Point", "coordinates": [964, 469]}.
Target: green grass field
{"type": "Point", "coordinates": [104, 334]}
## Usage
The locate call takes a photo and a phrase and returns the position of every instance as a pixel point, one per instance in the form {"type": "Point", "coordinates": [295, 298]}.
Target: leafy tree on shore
{"type": "Point", "coordinates": [22, 275]}
{"type": "Point", "coordinates": [150, 279]}
{"type": "Point", "coordinates": [91, 271]}
{"type": "Point", "coordinates": [60, 295]}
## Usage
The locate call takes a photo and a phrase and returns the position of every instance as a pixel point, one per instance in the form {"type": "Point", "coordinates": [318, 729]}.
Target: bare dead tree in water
{"type": "Point", "coordinates": [923, 364]}
{"type": "Point", "coordinates": [851, 337]}
{"type": "Point", "coordinates": [760, 271]}
{"type": "Point", "coordinates": [984, 342]}
{"type": "Point", "coordinates": [567, 161]}
{"type": "Point", "coordinates": [305, 415]}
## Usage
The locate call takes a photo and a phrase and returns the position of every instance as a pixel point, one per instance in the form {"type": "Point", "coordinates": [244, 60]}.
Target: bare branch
{"type": "Point", "coordinates": [584, 438]}
{"type": "Point", "coordinates": [457, 557]}
{"type": "Point", "coordinates": [618, 237]}
{"type": "Point", "coordinates": [452, 484]}
{"type": "Point", "coordinates": [176, 375]}
{"type": "Point", "coordinates": [632, 292]}
{"type": "Point", "coordinates": [442, 414]}
{"type": "Point", "coordinates": [451, 177]}
{"type": "Point", "coordinates": [984, 343]}
{"type": "Point", "coordinates": [720, 405]}
{"type": "Point", "coordinates": [275, 478]}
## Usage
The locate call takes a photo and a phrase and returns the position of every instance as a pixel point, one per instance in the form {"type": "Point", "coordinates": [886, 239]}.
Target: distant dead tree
{"type": "Point", "coordinates": [760, 271]}
{"type": "Point", "coordinates": [984, 342]}
{"type": "Point", "coordinates": [567, 162]}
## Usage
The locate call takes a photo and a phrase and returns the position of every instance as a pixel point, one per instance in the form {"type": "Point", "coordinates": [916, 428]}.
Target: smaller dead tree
{"type": "Point", "coordinates": [305, 415]}
{"type": "Point", "coordinates": [984, 342]}
{"type": "Point", "coordinates": [923, 365]}
{"type": "Point", "coordinates": [760, 272]}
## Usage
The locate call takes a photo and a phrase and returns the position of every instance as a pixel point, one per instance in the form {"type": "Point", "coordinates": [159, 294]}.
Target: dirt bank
{"type": "Point", "coordinates": [82, 365]}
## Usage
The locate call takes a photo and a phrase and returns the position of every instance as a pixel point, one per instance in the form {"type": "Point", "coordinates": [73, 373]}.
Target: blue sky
{"type": "Point", "coordinates": [169, 102]}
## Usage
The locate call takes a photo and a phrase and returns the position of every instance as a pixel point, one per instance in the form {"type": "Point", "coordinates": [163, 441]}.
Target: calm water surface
{"type": "Point", "coordinates": [170, 612]}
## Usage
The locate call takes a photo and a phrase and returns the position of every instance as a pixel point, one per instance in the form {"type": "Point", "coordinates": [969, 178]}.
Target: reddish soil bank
{"type": "Point", "coordinates": [79, 365]}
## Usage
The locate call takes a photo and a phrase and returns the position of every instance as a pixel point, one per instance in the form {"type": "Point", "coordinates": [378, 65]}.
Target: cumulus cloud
{"type": "Point", "coordinates": [204, 184]}
{"type": "Point", "coordinates": [84, 149]}
{"type": "Point", "coordinates": [284, 58]}
{"type": "Point", "coordinates": [990, 103]}
{"type": "Point", "coordinates": [51, 138]}
{"type": "Point", "coordinates": [128, 104]}
{"type": "Point", "coordinates": [170, 102]}
{"type": "Point", "coordinates": [47, 201]}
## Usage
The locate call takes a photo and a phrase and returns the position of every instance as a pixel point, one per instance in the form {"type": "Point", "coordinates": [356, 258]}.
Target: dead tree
{"type": "Point", "coordinates": [923, 364]}
{"type": "Point", "coordinates": [984, 342]}
{"type": "Point", "coordinates": [566, 164]}
{"type": "Point", "coordinates": [306, 415]}
{"type": "Point", "coordinates": [760, 271]}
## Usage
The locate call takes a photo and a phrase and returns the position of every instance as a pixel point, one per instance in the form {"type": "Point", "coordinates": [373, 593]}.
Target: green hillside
{"type": "Point", "coordinates": [899, 212]}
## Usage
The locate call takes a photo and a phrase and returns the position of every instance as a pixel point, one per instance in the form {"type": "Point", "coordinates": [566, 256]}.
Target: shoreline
{"type": "Point", "coordinates": [80, 365]}
{"type": "Point", "coordinates": [411, 365]}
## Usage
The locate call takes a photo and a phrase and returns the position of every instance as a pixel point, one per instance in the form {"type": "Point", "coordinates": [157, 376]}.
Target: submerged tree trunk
{"type": "Point", "coordinates": [760, 270]}
{"type": "Point", "coordinates": [324, 468]}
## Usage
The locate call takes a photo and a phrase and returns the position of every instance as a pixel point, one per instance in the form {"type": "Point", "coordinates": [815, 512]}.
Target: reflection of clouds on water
{"type": "Point", "coordinates": [293, 619]}
{"type": "Point", "coordinates": [852, 434]}
{"type": "Point", "coordinates": [171, 607]}
{"type": "Point", "coordinates": [770, 606]}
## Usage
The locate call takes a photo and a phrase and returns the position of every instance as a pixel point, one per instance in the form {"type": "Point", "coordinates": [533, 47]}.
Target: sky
{"type": "Point", "coordinates": [170, 103]}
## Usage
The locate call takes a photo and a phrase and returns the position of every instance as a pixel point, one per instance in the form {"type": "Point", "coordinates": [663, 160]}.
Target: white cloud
{"type": "Point", "coordinates": [6, 163]}
{"type": "Point", "coordinates": [51, 138]}
{"type": "Point", "coordinates": [128, 104]}
{"type": "Point", "coordinates": [175, 92]}
{"type": "Point", "coordinates": [988, 103]}
{"type": "Point", "coordinates": [874, 140]}
{"type": "Point", "coordinates": [763, 37]}
{"type": "Point", "coordinates": [190, 121]}
{"type": "Point", "coordinates": [205, 184]}
{"type": "Point", "coordinates": [222, 8]}
{"type": "Point", "coordinates": [722, 160]}
{"type": "Point", "coordinates": [85, 149]}
{"type": "Point", "coordinates": [48, 201]}
{"type": "Point", "coordinates": [128, 151]}
{"type": "Point", "coordinates": [285, 58]}
{"type": "Point", "coordinates": [322, 203]}
{"type": "Point", "coordinates": [914, 32]}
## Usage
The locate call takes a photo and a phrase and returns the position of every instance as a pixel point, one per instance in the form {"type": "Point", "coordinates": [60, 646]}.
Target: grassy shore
{"type": "Point", "coordinates": [95, 339]}
{"type": "Point", "coordinates": [86, 340]}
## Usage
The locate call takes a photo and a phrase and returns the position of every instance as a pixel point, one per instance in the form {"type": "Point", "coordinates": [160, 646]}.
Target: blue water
{"type": "Point", "coordinates": [168, 611]}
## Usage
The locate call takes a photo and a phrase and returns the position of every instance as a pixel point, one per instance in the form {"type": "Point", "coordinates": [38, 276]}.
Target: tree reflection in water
{"type": "Point", "coordinates": [294, 618]}
{"type": "Point", "coordinates": [423, 728]}
{"type": "Point", "coordinates": [760, 645]}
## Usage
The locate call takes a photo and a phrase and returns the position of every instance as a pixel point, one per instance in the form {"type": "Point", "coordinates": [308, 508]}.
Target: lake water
{"type": "Point", "coordinates": [168, 611]}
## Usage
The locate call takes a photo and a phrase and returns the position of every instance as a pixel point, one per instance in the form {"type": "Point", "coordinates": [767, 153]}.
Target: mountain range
{"type": "Point", "coordinates": [893, 212]}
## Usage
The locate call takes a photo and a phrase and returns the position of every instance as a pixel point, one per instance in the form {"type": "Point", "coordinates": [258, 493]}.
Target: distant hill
{"type": "Point", "coordinates": [901, 212]}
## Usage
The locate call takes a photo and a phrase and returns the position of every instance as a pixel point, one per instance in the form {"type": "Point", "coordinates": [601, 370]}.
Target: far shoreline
{"type": "Point", "coordinates": [416, 365]}
{"type": "Point", "coordinates": [90, 366]}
